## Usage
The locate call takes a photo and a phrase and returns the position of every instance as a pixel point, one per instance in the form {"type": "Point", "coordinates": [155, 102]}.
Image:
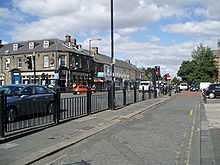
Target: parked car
{"type": "Point", "coordinates": [212, 91]}
{"type": "Point", "coordinates": [24, 100]}
{"type": "Point", "coordinates": [194, 88]}
{"type": "Point", "coordinates": [82, 89]}
{"type": "Point", "coordinates": [183, 86]}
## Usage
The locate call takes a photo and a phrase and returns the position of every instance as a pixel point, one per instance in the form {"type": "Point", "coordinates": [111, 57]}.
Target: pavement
{"type": "Point", "coordinates": [31, 148]}
{"type": "Point", "coordinates": [211, 124]}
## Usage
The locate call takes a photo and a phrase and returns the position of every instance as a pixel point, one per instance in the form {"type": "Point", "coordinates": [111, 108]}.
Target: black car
{"type": "Point", "coordinates": [212, 91]}
{"type": "Point", "coordinates": [24, 100]}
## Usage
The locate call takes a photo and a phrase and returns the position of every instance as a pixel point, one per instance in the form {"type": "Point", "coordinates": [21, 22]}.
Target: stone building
{"type": "Point", "coordinates": [61, 61]}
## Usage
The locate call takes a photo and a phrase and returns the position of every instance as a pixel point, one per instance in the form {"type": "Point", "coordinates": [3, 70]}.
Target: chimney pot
{"type": "Point", "coordinates": [68, 38]}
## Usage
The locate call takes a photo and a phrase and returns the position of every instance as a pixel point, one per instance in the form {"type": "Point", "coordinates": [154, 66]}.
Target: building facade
{"type": "Point", "coordinates": [60, 62]}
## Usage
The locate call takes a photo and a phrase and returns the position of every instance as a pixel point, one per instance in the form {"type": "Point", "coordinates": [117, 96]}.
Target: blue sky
{"type": "Point", "coordinates": [148, 32]}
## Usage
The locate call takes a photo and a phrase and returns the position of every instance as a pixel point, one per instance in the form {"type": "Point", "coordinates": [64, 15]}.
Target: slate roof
{"type": "Point", "coordinates": [23, 47]}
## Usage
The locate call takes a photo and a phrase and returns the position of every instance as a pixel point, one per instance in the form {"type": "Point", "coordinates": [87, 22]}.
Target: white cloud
{"type": "Point", "coordinates": [206, 28]}
{"type": "Point", "coordinates": [56, 17]}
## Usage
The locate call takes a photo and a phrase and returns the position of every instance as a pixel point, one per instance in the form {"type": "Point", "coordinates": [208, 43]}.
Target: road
{"type": "Point", "coordinates": [166, 135]}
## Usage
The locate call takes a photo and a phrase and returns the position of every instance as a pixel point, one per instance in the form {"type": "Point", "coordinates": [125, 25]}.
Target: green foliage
{"type": "Point", "coordinates": [201, 68]}
{"type": "Point", "coordinates": [175, 80]}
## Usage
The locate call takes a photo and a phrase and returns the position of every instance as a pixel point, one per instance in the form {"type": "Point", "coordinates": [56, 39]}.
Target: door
{"type": "Point", "coordinates": [44, 98]}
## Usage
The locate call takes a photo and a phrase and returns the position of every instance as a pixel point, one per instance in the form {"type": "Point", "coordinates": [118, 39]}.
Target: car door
{"type": "Point", "coordinates": [25, 103]}
{"type": "Point", "coordinates": [44, 98]}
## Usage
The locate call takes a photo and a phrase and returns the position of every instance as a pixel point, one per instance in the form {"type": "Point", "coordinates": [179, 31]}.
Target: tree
{"type": "Point", "coordinates": [201, 68]}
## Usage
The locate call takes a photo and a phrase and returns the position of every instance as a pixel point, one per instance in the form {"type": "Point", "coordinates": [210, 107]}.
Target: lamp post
{"type": "Point", "coordinates": [112, 58]}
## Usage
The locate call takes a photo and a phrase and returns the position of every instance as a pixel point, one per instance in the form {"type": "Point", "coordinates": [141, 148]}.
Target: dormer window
{"type": "Point", "coordinates": [46, 44]}
{"type": "Point", "coordinates": [15, 47]}
{"type": "Point", "coordinates": [31, 45]}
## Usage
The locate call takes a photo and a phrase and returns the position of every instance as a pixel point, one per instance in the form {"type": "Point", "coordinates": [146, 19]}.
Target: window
{"type": "Point", "coordinates": [46, 61]}
{"type": "Point", "coordinates": [7, 63]}
{"type": "Point", "coordinates": [40, 90]}
{"type": "Point", "coordinates": [15, 47]}
{"type": "Point", "coordinates": [62, 60]}
{"type": "Point", "coordinates": [46, 44]}
{"type": "Point", "coordinates": [31, 45]}
{"type": "Point", "coordinates": [27, 91]}
{"type": "Point", "coordinates": [19, 62]}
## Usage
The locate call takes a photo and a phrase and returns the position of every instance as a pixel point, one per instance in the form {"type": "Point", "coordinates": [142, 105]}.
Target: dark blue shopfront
{"type": "Point", "coordinates": [16, 77]}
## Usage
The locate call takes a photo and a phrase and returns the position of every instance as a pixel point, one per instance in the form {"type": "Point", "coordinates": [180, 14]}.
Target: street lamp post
{"type": "Point", "coordinates": [112, 58]}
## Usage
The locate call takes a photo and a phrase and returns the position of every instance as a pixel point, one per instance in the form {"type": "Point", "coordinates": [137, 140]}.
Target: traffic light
{"type": "Point", "coordinates": [29, 62]}
{"type": "Point", "coordinates": [157, 71]}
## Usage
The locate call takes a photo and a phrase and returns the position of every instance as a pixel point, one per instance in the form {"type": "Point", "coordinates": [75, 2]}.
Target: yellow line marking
{"type": "Point", "coordinates": [191, 136]}
{"type": "Point", "coordinates": [191, 113]}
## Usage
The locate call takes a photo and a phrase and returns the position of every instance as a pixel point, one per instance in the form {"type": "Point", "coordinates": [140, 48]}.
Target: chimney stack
{"type": "Point", "coordinates": [94, 51]}
{"type": "Point", "coordinates": [74, 42]}
{"type": "Point", "coordinates": [67, 38]}
{"type": "Point", "coordinates": [79, 46]}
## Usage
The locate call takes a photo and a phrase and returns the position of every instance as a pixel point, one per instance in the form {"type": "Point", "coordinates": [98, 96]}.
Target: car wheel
{"type": "Point", "coordinates": [50, 108]}
{"type": "Point", "coordinates": [12, 114]}
{"type": "Point", "coordinates": [211, 95]}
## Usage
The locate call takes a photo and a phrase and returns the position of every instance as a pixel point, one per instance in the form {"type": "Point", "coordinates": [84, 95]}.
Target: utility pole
{"type": "Point", "coordinates": [112, 58]}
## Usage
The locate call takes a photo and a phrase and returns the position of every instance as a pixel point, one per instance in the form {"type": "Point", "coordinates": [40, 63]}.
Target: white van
{"type": "Point", "coordinates": [145, 84]}
{"type": "Point", "coordinates": [183, 86]}
{"type": "Point", "coordinates": [204, 85]}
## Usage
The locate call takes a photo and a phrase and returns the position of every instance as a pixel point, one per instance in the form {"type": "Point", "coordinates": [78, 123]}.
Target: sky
{"type": "Point", "coordinates": [147, 32]}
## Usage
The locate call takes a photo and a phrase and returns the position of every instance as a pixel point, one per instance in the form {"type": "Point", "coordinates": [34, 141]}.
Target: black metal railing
{"type": "Point", "coordinates": [33, 113]}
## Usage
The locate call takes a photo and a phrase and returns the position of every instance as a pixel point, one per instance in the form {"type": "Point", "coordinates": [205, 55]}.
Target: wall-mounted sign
{"type": "Point", "coordinates": [100, 74]}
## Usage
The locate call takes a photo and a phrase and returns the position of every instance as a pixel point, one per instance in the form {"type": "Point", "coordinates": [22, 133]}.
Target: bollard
{"type": "Point", "coordinates": [149, 92]}
{"type": "Point", "coordinates": [204, 98]}
{"type": "Point", "coordinates": [124, 96]}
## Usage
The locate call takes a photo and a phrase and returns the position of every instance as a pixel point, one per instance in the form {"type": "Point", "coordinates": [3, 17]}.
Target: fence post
{"type": "Point", "coordinates": [135, 94]}
{"type": "Point", "coordinates": [124, 96]}
{"type": "Point", "coordinates": [109, 98]}
{"type": "Point", "coordinates": [143, 93]}
{"type": "Point", "coordinates": [170, 90]}
{"type": "Point", "coordinates": [2, 114]}
{"type": "Point", "coordinates": [89, 101]}
{"type": "Point", "coordinates": [57, 107]}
